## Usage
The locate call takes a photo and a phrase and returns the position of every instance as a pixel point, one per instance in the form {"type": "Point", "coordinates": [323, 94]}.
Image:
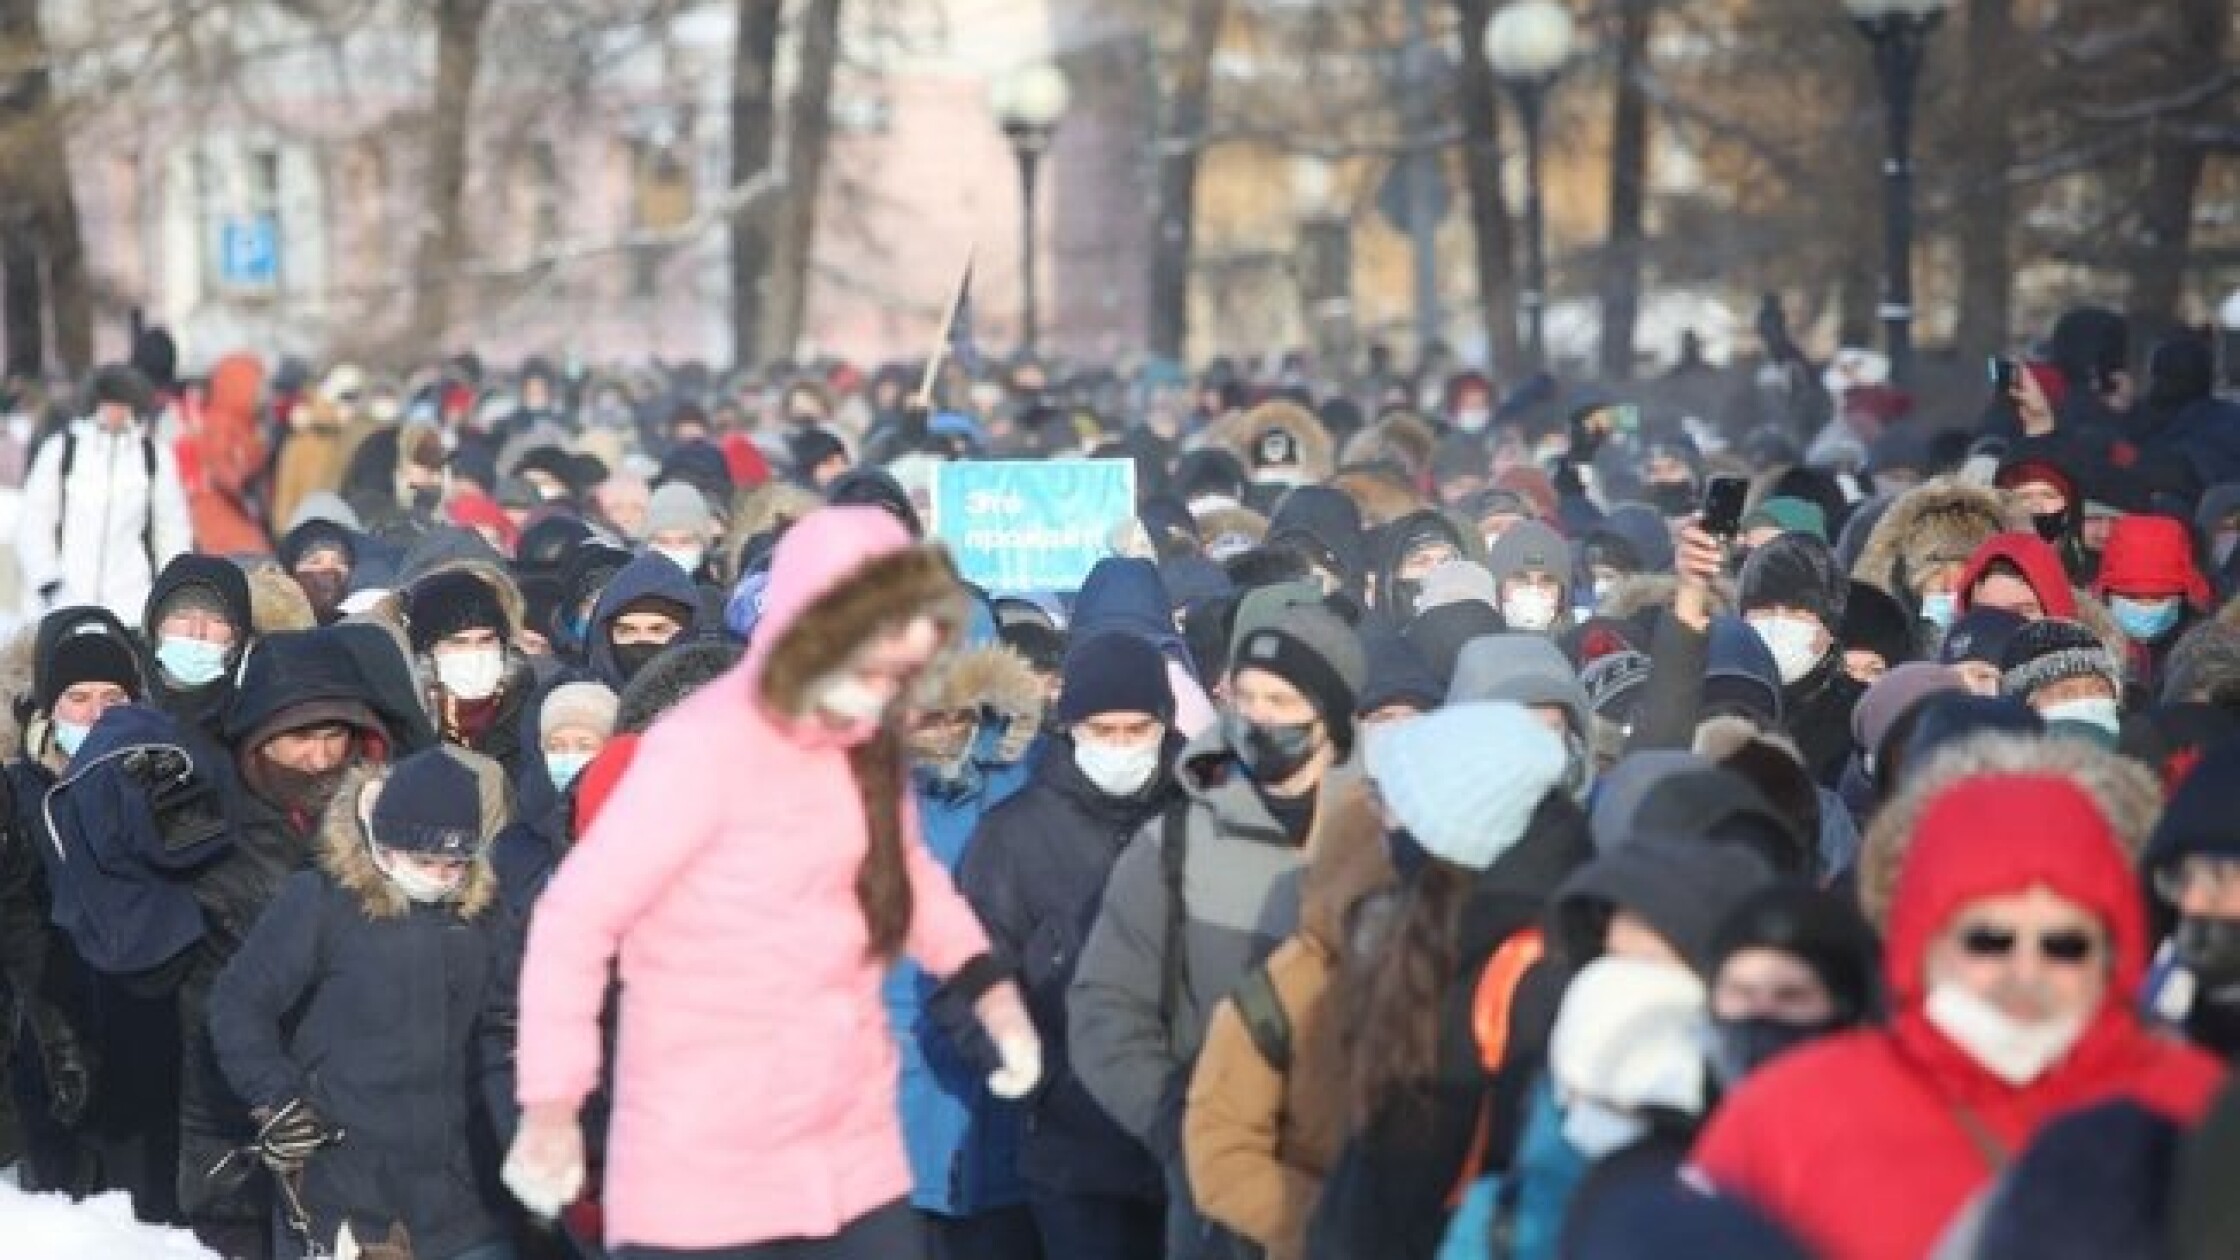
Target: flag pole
{"type": "Point", "coordinates": [941, 339]}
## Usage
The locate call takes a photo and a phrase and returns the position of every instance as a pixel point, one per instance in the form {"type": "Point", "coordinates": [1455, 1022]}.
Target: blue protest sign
{"type": "Point", "coordinates": [1018, 526]}
{"type": "Point", "coordinates": [249, 251]}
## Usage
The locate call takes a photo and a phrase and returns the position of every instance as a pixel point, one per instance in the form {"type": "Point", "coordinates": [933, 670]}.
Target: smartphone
{"type": "Point", "coordinates": [1722, 506]}
{"type": "Point", "coordinates": [2001, 371]}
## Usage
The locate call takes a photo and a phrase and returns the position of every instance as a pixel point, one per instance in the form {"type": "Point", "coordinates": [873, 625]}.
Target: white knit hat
{"type": "Point", "coordinates": [1465, 780]}
{"type": "Point", "coordinates": [586, 706]}
{"type": "Point", "coordinates": [1630, 1034]}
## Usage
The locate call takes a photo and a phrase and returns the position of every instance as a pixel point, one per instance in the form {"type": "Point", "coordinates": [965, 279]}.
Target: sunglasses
{"type": "Point", "coordinates": [2068, 946]}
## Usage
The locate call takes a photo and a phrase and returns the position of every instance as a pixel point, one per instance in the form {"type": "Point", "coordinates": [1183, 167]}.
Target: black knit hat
{"type": "Point", "coordinates": [1874, 622]}
{"type": "Point", "coordinates": [1820, 927]}
{"type": "Point", "coordinates": [445, 603]}
{"type": "Point", "coordinates": [431, 805]}
{"type": "Point", "coordinates": [1315, 651]}
{"type": "Point", "coordinates": [2043, 653]}
{"type": "Point", "coordinates": [87, 652]}
{"type": "Point", "coordinates": [2198, 819]}
{"type": "Point", "coordinates": [1796, 571]}
{"type": "Point", "coordinates": [1981, 634]}
{"type": "Point", "coordinates": [1115, 672]}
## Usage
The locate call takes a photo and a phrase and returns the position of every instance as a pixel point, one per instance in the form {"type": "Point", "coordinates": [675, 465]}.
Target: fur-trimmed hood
{"type": "Point", "coordinates": [997, 681]}
{"type": "Point", "coordinates": [1403, 437]}
{"type": "Point", "coordinates": [765, 508]}
{"type": "Point", "coordinates": [1238, 432]}
{"type": "Point", "coordinates": [2125, 790]}
{"type": "Point", "coordinates": [17, 662]}
{"type": "Point", "coordinates": [1940, 521]}
{"type": "Point", "coordinates": [1382, 499]}
{"type": "Point", "coordinates": [1233, 523]}
{"type": "Point", "coordinates": [277, 603]}
{"type": "Point", "coordinates": [1635, 594]}
{"type": "Point", "coordinates": [343, 853]}
{"type": "Point", "coordinates": [840, 577]}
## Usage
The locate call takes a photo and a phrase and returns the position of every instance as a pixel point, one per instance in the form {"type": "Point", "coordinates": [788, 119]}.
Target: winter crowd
{"type": "Point", "coordinates": [498, 815]}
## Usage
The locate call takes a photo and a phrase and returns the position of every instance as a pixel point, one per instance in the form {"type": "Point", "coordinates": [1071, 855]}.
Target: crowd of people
{"type": "Point", "coordinates": [489, 815]}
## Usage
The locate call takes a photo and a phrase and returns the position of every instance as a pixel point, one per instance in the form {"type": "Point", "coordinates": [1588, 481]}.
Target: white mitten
{"type": "Point", "coordinates": [1004, 1016]}
{"type": "Point", "coordinates": [545, 1167]}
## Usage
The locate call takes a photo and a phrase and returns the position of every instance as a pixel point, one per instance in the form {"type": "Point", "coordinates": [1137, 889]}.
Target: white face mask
{"type": "Point", "coordinates": [2098, 712]}
{"type": "Point", "coordinates": [851, 700]}
{"type": "Point", "coordinates": [424, 889]}
{"type": "Point", "coordinates": [1473, 419]}
{"type": "Point", "coordinates": [1529, 608]}
{"type": "Point", "coordinates": [1117, 770]}
{"type": "Point", "coordinates": [686, 558]}
{"type": "Point", "coordinates": [473, 674]}
{"type": "Point", "coordinates": [1596, 1129]}
{"type": "Point", "coordinates": [1794, 643]}
{"type": "Point", "coordinates": [2015, 1052]}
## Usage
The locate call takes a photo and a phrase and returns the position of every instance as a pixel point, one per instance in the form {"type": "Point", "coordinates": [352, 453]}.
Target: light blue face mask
{"type": "Point", "coordinates": [565, 766]}
{"type": "Point", "coordinates": [2145, 621]}
{"type": "Point", "coordinates": [69, 736]}
{"type": "Point", "coordinates": [191, 662]}
{"type": "Point", "coordinates": [1940, 609]}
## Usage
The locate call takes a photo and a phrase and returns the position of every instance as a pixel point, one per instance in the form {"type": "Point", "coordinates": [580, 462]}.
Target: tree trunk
{"type": "Point", "coordinates": [443, 232]}
{"type": "Point", "coordinates": [1180, 142]}
{"type": "Point", "coordinates": [1986, 203]}
{"type": "Point", "coordinates": [754, 117]}
{"type": "Point", "coordinates": [808, 135]}
{"type": "Point", "coordinates": [1629, 186]}
{"type": "Point", "coordinates": [2173, 176]}
{"type": "Point", "coordinates": [1478, 97]}
{"type": "Point", "coordinates": [22, 295]}
{"type": "Point", "coordinates": [44, 255]}
{"type": "Point", "coordinates": [69, 288]}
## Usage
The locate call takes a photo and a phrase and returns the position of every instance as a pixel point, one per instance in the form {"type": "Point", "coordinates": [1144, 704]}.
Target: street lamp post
{"type": "Point", "coordinates": [1527, 42]}
{"type": "Point", "coordinates": [1899, 31]}
{"type": "Point", "coordinates": [1028, 103]}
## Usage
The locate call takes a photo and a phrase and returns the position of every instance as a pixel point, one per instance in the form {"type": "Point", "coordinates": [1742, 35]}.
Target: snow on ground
{"type": "Point", "coordinates": [54, 1227]}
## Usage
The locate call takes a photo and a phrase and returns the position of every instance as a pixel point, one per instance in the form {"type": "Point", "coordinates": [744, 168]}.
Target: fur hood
{"type": "Point", "coordinates": [1635, 594]}
{"type": "Point", "coordinates": [809, 633]}
{"type": "Point", "coordinates": [1403, 438]}
{"type": "Point", "coordinates": [1381, 499]}
{"type": "Point", "coordinates": [996, 680]}
{"type": "Point", "coordinates": [16, 668]}
{"type": "Point", "coordinates": [1224, 522]}
{"type": "Point", "coordinates": [345, 857]}
{"type": "Point", "coordinates": [765, 508]}
{"type": "Point", "coordinates": [1237, 432]}
{"type": "Point", "coordinates": [276, 603]}
{"type": "Point", "coordinates": [2125, 791]}
{"type": "Point", "coordinates": [1940, 521]}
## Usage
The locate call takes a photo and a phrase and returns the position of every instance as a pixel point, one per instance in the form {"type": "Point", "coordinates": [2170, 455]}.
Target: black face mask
{"type": "Point", "coordinates": [1742, 1046]}
{"type": "Point", "coordinates": [632, 657]}
{"type": "Point", "coordinates": [2210, 949]}
{"type": "Point", "coordinates": [302, 793]}
{"type": "Point", "coordinates": [1672, 498]}
{"type": "Point", "coordinates": [2051, 526]}
{"type": "Point", "coordinates": [324, 588]}
{"type": "Point", "coordinates": [1271, 754]}
{"type": "Point", "coordinates": [427, 498]}
{"type": "Point", "coordinates": [1406, 594]}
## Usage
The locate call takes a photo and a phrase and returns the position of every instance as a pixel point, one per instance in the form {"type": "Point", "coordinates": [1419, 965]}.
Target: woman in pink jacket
{"type": "Point", "coordinates": [756, 871]}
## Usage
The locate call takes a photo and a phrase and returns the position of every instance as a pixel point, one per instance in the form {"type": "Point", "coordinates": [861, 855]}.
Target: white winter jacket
{"type": "Point", "coordinates": [104, 544]}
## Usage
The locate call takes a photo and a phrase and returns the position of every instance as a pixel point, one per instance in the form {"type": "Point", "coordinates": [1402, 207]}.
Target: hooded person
{"type": "Point", "coordinates": [2015, 951]}
{"type": "Point", "coordinates": [1875, 635]}
{"type": "Point", "coordinates": [347, 1018]}
{"type": "Point", "coordinates": [1532, 576]}
{"type": "Point", "coordinates": [320, 555]}
{"type": "Point", "coordinates": [1326, 526]}
{"type": "Point", "coordinates": [1034, 873]}
{"type": "Point", "coordinates": [1411, 547]}
{"type": "Point", "coordinates": [1479, 848]}
{"type": "Point", "coordinates": [1214, 885]}
{"type": "Point", "coordinates": [2155, 592]}
{"type": "Point", "coordinates": [649, 606]}
{"type": "Point", "coordinates": [2018, 572]}
{"type": "Point", "coordinates": [1922, 541]}
{"type": "Point", "coordinates": [680, 526]}
{"type": "Point", "coordinates": [821, 877]}
{"type": "Point", "coordinates": [1129, 595]}
{"type": "Point", "coordinates": [875, 487]}
{"type": "Point", "coordinates": [227, 445]}
{"type": "Point", "coordinates": [198, 623]}
{"type": "Point", "coordinates": [2036, 471]}
{"type": "Point", "coordinates": [1792, 593]}
{"type": "Point", "coordinates": [1529, 670]}
{"type": "Point", "coordinates": [1792, 964]}
{"type": "Point", "coordinates": [2193, 864]}
{"type": "Point", "coordinates": [1281, 445]}
{"type": "Point", "coordinates": [584, 575]}
{"type": "Point", "coordinates": [461, 624]}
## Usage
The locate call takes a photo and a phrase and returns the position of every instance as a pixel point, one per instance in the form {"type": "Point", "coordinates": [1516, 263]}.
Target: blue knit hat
{"type": "Point", "coordinates": [1115, 672]}
{"type": "Point", "coordinates": [433, 804]}
{"type": "Point", "coordinates": [1466, 779]}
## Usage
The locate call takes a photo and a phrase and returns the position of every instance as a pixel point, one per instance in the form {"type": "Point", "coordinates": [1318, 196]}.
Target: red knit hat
{"type": "Point", "coordinates": [2151, 555]}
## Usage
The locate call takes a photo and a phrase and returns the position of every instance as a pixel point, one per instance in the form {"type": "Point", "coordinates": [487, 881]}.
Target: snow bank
{"type": "Point", "coordinates": [55, 1227]}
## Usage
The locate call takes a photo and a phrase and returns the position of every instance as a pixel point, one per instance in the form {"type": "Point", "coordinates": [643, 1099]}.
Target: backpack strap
{"type": "Point", "coordinates": [62, 485]}
{"type": "Point", "coordinates": [1491, 1006]}
{"type": "Point", "coordinates": [1174, 968]}
{"type": "Point", "coordinates": [1261, 1008]}
{"type": "Point", "coordinates": [148, 518]}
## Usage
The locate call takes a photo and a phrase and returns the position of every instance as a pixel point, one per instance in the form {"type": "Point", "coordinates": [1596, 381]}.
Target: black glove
{"type": "Point", "coordinates": [186, 809]}
{"type": "Point", "coordinates": [291, 1135]}
{"type": "Point", "coordinates": [63, 1056]}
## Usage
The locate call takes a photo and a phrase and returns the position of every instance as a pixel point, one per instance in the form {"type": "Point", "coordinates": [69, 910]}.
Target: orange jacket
{"type": "Point", "coordinates": [221, 455]}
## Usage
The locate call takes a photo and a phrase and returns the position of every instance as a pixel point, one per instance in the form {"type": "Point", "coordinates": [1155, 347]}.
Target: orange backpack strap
{"type": "Point", "coordinates": [1496, 997]}
{"type": "Point", "coordinates": [1490, 1008]}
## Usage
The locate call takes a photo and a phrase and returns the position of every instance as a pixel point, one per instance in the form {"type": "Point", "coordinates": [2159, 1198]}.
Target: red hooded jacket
{"type": "Point", "coordinates": [1862, 1144]}
{"type": "Point", "coordinates": [2039, 564]}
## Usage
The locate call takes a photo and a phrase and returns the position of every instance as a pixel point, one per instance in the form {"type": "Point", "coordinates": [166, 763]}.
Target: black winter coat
{"type": "Point", "coordinates": [348, 996]}
{"type": "Point", "coordinates": [1816, 712]}
{"type": "Point", "coordinates": [1035, 872]}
